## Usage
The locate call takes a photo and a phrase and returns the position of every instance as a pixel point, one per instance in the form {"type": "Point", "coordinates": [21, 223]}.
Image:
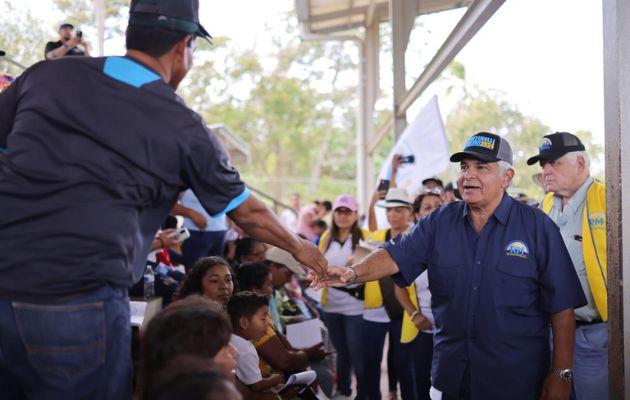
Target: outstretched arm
{"type": "Point", "coordinates": [373, 267]}
{"type": "Point", "coordinates": [255, 218]}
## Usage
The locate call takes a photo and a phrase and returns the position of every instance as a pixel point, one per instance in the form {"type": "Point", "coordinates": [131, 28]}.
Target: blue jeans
{"type": "Point", "coordinates": [590, 362]}
{"type": "Point", "coordinates": [80, 349]}
{"type": "Point", "coordinates": [202, 244]}
{"type": "Point", "coordinates": [344, 333]}
{"type": "Point", "coordinates": [373, 337]}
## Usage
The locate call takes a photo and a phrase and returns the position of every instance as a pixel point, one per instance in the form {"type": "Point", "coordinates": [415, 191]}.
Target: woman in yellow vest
{"type": "Point", "coordinates": [416, 300]}
{"type": "Point", "coordinates": [342, 308]}
{"type": "Point", "coordinates": [383, 314]}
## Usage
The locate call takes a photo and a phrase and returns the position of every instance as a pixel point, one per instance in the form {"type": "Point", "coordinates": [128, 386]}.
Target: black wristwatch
{"type": "Point", "coordinates": [565, 374]}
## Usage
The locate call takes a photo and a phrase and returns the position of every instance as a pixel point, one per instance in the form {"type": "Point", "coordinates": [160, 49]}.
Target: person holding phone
{"type": "Point", "coordinates": [67, 44]}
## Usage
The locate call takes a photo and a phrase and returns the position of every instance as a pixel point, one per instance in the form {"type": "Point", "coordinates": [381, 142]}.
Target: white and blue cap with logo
{"type": "Point", "coordinates": [486, 147]}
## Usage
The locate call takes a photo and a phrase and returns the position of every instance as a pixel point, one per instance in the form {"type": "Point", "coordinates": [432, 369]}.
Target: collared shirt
{"type": "Point", "coordinates": [492, 295]}
{"type": "Point", "coordinates": [189, 200]}
{"type": "Point", "coordinates": [569, 219]}
{"type": "Point", "coordinates": [95, 160]}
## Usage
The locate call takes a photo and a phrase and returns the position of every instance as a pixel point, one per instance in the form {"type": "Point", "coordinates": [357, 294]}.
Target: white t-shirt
{"type": "Point", "coordinates": [424, 297]}
{"type": "Point", "coordinates": [378, 314]}
{"type": "Point", "coordinates": [289, 218]}
{"type": "Point", "coordinates": [337, 301]}
{"type": "Point", "coordinates": [247, 369]}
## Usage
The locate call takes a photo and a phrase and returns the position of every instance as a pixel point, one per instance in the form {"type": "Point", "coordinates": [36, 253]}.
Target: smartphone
{"type": "Point", "coordinates": [181, 234]}
{"type": "Point", "coordinates": [80, 34]}
{"type": "Point", "coordinates": [410, 159]}
{"type": "Point", "coordinates": [383, 185]}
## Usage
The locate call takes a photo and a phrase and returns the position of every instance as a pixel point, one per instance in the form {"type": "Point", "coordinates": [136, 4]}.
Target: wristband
{"type": "Point", "coordinates": [413, 315]}
{"type": "Point", "coordinates": [356, 275]}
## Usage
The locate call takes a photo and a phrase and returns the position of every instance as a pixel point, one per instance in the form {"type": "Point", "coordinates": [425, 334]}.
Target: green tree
{"type": "Point", "coordinates": [488, 110]}
{"type": "Point", "coordinates": [297, 115]}
{"type": "Point", "coordinates": [21, 36]}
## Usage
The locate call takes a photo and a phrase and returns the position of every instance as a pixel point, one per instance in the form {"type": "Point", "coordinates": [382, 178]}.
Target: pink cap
{"type": "Point", "coordinates": [347, 201]}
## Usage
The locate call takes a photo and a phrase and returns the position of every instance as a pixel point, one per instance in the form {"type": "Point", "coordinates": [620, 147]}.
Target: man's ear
{"type": "Point", "coordinates": [507, 178]}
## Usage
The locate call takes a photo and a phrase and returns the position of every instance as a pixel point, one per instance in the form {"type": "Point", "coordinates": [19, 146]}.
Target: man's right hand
{"type": "Point", "coordinates": [73, 42]}
{"type": "Point", "coordinates": [334, 277]}
{"type": "Point", "coordinates": [309, 255]}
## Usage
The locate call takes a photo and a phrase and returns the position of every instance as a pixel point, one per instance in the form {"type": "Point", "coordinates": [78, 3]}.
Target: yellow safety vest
{"type": "Point", "coordinates": [593, 243]}
{"type": "Point", "coordinates": [374, 296]}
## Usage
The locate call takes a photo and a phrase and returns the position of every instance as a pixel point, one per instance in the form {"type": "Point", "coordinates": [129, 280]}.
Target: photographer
{"type": "Point", "coordinates": [67, 44]}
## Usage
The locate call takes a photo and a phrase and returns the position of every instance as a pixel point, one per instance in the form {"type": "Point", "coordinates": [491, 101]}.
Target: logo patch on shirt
{"type": "Point", "coordinates": [517, 248]}
{"type": "Point", "coordinates": [480, 141]}
{"type": "Point", "coordinates": [597, 221]}
{"type": "Point", "coordinates": [545, 144]}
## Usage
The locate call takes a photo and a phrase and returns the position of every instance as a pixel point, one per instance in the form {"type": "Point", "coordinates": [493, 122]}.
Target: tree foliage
{"type": "Point", "coordinates": [488, 110]}
{"type": "Point", "coordinates": [21, 36]}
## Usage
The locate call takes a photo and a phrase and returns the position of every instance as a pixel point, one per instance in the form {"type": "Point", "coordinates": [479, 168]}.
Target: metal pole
{"type": "Point", "coordinates": [616, 13]}
{"type": "Point", "coordinates": [99, 6]}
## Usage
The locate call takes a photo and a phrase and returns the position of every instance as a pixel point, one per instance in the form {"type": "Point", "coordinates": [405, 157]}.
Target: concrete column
{"type": "Point", "coordinates": [401, 23]}
{"type": "Point", "coordinates": [616, 13]}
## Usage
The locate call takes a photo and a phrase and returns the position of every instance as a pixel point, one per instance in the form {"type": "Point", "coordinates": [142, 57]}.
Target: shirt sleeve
{"type": "Point", "coordinates": [214, 181]}
{"type": "Point", "coordinates": [560, 285]}
{"type": "Point", "coordinates": [50, 46]}
{"type": "Point", "coordinates": [410, 252]}
{"type": "Point", "coordinates": [247, 370]}
{"type": "Point", "coordinates": [8, 108]}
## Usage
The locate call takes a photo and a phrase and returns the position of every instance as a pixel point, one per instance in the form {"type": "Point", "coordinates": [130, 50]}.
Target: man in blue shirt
{"type": "Point", "coordinates": [499, 274]}
{"type": "Point", "coordinates": [96, 152]}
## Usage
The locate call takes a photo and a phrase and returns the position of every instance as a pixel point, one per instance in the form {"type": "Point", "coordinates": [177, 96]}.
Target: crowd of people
{"type": "Point", "coordinates": [479, 295]}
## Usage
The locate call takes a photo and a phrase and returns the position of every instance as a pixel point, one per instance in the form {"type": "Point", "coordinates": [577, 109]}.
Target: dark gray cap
{"type": "Point", "coordinates": [555, 146]}
{"type": "Point", "coordinates": [487, 147]}
{"type": "Point", "coordinates": [175, 15]}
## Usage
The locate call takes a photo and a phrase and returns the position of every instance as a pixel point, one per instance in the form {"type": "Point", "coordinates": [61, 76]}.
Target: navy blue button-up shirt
{"type": "Point", "coordinates": [492, 295]}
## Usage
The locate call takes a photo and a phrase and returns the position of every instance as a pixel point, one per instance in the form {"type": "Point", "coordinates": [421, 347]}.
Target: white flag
{"type": "Point", "coordinates": [425, 139]}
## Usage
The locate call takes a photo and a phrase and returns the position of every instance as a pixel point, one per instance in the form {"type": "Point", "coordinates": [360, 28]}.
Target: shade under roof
{"type": "Point", "coordinates": [331, 16]}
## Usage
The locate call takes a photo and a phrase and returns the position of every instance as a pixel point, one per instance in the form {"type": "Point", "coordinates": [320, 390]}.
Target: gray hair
{"type": "Point", "coordinates": [573, 156]}
{"type": "Point", "coordinates": [504, 166]}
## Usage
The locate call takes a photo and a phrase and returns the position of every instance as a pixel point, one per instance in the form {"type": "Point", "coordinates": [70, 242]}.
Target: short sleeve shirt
{"type": "Point", "coordinates": [50, 46]}
{"type": "Point", "coordinates": [94, 161]}
{"type": "Point", "coordinates": [247, 370]}
{"type": "Point", "coordinates": [492, 295]}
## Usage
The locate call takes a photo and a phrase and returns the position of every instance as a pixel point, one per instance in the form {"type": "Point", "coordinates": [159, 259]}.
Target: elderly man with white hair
{"type": "Point", "coordinates": [499, 274]}
{"type": "Point", "coordinates": [577, 204]}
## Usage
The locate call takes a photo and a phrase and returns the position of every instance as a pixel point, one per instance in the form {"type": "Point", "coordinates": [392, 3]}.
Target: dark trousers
{"type": "Point", "coordinates": [423, 356]}
{"type": "Point", "coordinates": [344, 331]}
{"type": "Point", "coordinates": [373, 343]}
{"type": "Point", "coordinates": [202, 244]}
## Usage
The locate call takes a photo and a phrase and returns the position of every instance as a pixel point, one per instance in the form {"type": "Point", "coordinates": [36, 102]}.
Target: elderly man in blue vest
{"type": "Point", "coordinates": [577, 204]}
{"type": "Point", "coordinates": [499, 275]}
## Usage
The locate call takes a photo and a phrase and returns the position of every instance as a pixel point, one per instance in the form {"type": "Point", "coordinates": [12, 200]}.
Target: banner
{"type": "Point", "coordinates": [425, 139]}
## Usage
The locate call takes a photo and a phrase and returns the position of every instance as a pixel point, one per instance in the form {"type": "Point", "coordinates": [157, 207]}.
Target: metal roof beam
{"type": "Point", "coordinates": [475, 17]}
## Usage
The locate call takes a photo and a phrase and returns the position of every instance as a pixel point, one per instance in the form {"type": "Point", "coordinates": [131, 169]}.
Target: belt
{"type": "Point", "coordinates": [582, 323]}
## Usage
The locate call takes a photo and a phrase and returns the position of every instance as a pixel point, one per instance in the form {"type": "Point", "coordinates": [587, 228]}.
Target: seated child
{"type": "Point", "coordinates": [248, 312]}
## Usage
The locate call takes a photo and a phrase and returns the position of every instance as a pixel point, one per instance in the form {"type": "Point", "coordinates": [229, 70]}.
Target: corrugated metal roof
{"type": "Point", "coordinates": [332, 16]}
